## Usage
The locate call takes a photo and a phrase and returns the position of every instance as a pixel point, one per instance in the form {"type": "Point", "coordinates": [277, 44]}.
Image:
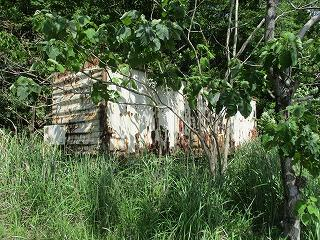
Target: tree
{"type": "Point", "coordinates": [297, 132]}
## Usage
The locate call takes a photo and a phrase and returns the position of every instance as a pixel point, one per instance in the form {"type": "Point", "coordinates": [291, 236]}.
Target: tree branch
{"type": "Point", "coordinates": [305, 7]}
{"type": "Point", "coordinates": [244, 45]}
{"type": "Point", "coordinates": [192, 18]}
{"type": "Point", "coordinates": [313, 20]}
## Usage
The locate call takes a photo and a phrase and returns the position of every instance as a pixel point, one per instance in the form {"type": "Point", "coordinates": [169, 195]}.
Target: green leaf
{"type": "Point", "coordinates": [245, 108]}
{"type": "Point", "coordinates": [133, 84]}
{"type": "Point", "coordinates": [90, 33]}
{"type": "Point", "coordinates": [50, 69]}
{"type": "Point", "coordinates": [231, 109]}
{"type": "Point", "coordinates": [192, 102]}
{"type": "Point", "coordinates": [285, 59]}
{"type": "Point", "coordinates": [70, 51]}
{"type": "Point", "coordinates": [117, 80]}
{"type": "Point", "coordinates": [73, 29]}
{"type": "Point", "coordinates": [204, 62]}
{"type": "Point", "coordinates": [145, 34]}
{"type": "Point", "coordinates": [213, 98]}
{"type": "Point", "coordinates": [298, 111]}
{"type": "Point", "coordinates": [123, 34]}
{"type": "Point", "coordinates": [162, 31]}
{"type": "Point", "coordinates": [24, 87]}
{"type": "Point", "coordinates": [294, 56]}
{"type": "Point", "coordinates": [174, 30]}
{"type": "Point", "coordinates": [48, 29]}
{"type": "Point", "coordinates": [53, 52]}
{"type": "Point", "coordinates": [267, 139]}
{"type": "Point", "coordinates": [164, 3]}
{"type": "Point", "coordinates": [83, 20]}
{"type": "Point", "coordinates": [114, 95]}
{"type": "Point", "coordinates": [157, 44]}
{"type": "Point", "coordinates": [296, 157]}
{"type": "Point", "coordinates": [244, 84]}
{"type": "Point", "coordinates": [124, 69]}
{"type": "Point", "coordinates": [313, 210]}
{"type": "Point", "coordinates": [59, 67]}
{"type": "Point", "coordinates": [99, 92]}
{"type": "Point", "coordinates": [305, 218]}
{"type": "Point", "coordinates": [289, 36]}
{"type": "Point", "coordinates": [205, 51]}
{"type": "Point", "coordinates": [128, 17]}
{"type": "Point", "coordinates": [313, 199]}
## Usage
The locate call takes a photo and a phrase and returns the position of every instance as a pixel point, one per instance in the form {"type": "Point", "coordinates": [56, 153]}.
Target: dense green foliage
{"type": "Point", "coordinates": [120, 43]}
{"type": "Point", "coordinates": [150, 35]}
{"type": "Point", "coordinates": [46, 195]}
{"type": "Point", "coordinates": [144, 34]}
{"type": "Point", "coordinates": [197, 44]}
{"type": "Point", "coordinates": [299, 137]}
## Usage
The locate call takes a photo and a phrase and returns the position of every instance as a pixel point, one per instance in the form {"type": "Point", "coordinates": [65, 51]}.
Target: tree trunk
{"type": "Point", "coordinates": [291, 222]}
{"type": "Point", "coordinates": [284, 89]}
{"type": "Point", "coordinates": [283, 94]}
{"type": "Point", "coordinates": [270, 19]}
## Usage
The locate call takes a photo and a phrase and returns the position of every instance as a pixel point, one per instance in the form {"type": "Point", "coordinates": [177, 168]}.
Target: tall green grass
{"type": "Point", "coordinates": [45, 194]}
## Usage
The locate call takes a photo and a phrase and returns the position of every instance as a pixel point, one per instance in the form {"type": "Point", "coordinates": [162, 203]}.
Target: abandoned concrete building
{"type": "Point", "coordinates": [132, 124]}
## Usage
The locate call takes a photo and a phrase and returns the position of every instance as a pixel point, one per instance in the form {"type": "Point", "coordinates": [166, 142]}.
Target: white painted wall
{"type": "Point", "coordinates": [132, 122]}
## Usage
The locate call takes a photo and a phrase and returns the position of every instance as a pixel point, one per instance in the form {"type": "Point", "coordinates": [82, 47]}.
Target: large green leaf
{"type": "Point", "coordinates": [285, 59]}
{"type": "Point", "coordinates": [123, 34]}
{"type": "Point", "coordinates": [157, 44]}
{"type": "Point", "coordinates": [91, 34]}
{"type": "Point", "coordinates": [124, 69]}
{"type": "Point", "coordinates": [204, 62]}
{"type": "Point", "coordinates": [128, 17]}
{"type": "Point", "coordinates": [53, 52]}
{"type": "Point", "coordinates": [162, 31]}
{"type": "Point", "coordinates": [24, 87]}
{"type": "Point", "coordinates": [245, 108]}
{"type": "Point", "coordinates": [213, 98]}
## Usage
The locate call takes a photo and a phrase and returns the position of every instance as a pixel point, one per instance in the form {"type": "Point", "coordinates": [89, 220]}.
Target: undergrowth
{"type": "Point", "coordinates": [45, 194]}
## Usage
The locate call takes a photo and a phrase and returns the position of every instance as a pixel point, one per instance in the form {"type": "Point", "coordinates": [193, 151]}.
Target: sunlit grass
{"type": "Point", "coordinates": [47, 195]}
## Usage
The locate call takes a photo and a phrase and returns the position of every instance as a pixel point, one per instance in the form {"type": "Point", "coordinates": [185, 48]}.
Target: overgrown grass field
{"type": "Point", "coordinates": [45, 194]}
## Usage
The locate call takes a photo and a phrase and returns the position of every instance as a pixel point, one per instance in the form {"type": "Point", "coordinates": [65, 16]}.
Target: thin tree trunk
{"type": "Point", "coordinates": [234, 4]}
{"type": "Point", "coordinates": [226, 145]}
{"type": "Point", "coordinates": [236, 23]}
{"type": "Point", "coordinates": [33, 119]}
{"type": "Point", "coordinates": [212, 161]}
{"type": "Point", "coordinates": [228, 37]}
